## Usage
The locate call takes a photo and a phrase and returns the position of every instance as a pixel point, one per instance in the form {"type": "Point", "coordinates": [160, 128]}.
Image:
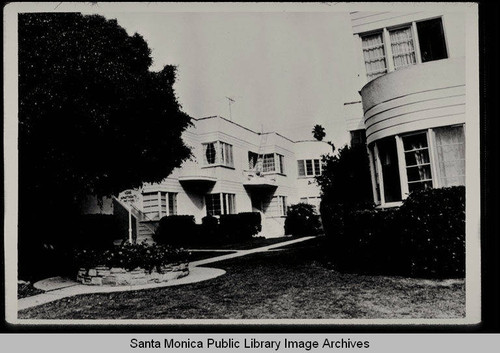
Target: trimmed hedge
{"type": "Point", "coordinates": [183, 231]}
{"type": "Point", "coordinates": [302, 220]}
{"type": "Point", "coordinates": [176, 230]}
{"type": "Point", "coordinates": [425, 237]}
{"type": "Point", "coordinates": [239, 227]}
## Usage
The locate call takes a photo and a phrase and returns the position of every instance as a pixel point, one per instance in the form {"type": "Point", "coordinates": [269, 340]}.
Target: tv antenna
{"type": "Point", "coordinates": [230, 101]}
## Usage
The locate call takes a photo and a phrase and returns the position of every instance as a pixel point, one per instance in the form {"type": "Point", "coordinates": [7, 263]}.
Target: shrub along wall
{"type": "Point", "coordinates": [301, 220]}
{"type": "Point", "coordinates": [183, 231]}
{"type": "Point", "coordinates": [425, 237]}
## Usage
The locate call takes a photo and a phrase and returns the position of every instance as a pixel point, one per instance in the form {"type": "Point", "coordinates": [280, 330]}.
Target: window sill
{"type": "Point", "coordinates": [217, 165]}
{"type": "Point", "coordinates": [307, 177]}
{"type": "Point", "coordinates": [273, 173]}
{"type": "Point", "coordinates": [389, 205]}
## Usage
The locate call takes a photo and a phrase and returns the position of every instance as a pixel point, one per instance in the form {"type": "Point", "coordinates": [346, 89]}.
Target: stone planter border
{"type": "Point", "coordinates": [116, 276]}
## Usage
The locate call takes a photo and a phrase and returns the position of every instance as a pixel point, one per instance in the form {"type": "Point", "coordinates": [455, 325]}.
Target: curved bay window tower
{"type": "Point", "coordinates": [412, 100]}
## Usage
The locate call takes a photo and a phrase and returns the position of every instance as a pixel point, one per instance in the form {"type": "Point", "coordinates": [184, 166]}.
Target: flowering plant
{"type": "Point", "coordinates": [131, 256]}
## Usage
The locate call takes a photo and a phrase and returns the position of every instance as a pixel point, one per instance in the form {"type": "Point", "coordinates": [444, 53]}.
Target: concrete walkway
{"type": "Point", "coordinates": [57, 287]}
{"type": "Point", "coordinates": [239, 253]}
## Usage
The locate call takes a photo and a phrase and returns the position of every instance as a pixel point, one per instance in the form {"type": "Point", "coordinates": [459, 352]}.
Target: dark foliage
{"type": "Point", "coordinates": [251, 224]}
{"type": "Point", "coordinates": [318, 132]}
{"type": "Point", "coordinates": [301, 220]}
{"type": "Point", "coordinates": [345, 177]}
{"type": "Point", "coordinates": [96, 231]}
{"type": "Point", "coordinates": [130, 256]}
{"type": "Point", "coordinates": [433, 231]}
{"type": "Point", "coordinates": [176, 230]}
{"type": "Point", "coordinates": [425, 237]}
{"type": "Point", "coordinates": [92, 120]}
{"type": "Point", "coordinates": [209, 232]}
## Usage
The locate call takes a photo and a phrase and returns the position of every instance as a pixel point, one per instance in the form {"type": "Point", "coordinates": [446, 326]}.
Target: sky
{"type": "Point", "coordinates": [285, 71]}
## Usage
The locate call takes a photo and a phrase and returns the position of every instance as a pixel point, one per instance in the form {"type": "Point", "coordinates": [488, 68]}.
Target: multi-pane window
{"type": "Point", "coordinates": [402, 47]}
{"type": "Point", "coordinates": [274, 206]}
{"type": "Point", "coordinates": [393, 49]}
{"type": "Point", "coordinates": [159, 204]}
{"type": "Point", "coordinates": [313, 201]}
{"type": "Point", "coordinates": [218, 152]}
{"type": "Point", "coordinates": [281, 205]}
{"type": "Point", "coordinates": [309, 167]}
{"type": "Point", "coordinates": [221, 203]}
{"type": "Point", "coordinates": [266, 163]}
{"type": "Point", "coordinates": [374, 55]}
{"type": "Point", "coordinates": [418, 163]}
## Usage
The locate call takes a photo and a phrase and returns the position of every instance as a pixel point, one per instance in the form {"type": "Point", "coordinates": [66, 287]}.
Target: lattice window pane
{"type": "Point", "coordinates": [403, 49]}
{"type": "Point", "coordinates": [309, 167]}
{"type": "Point", "coordinates": [209, 153]}
{"type": "Point", "coordinates": [418, 167]}
{"type": "Point", "coordinates": [374, 55]}
{"type": "Point", "coordinates": [317, 168]}
{"type": "Point", "coordinates": [268, 163]}
{"type": "Point", "coordinates": [172, 204]}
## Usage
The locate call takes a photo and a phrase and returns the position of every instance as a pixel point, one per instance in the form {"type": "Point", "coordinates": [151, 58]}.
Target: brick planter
{"type": "Point", "coordinates": [115, 276]}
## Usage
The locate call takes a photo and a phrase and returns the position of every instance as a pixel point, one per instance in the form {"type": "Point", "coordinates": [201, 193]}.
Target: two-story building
{"type": "Point", "coordinates": [410, 104]}
{"type": "Point", "coordinates": [233, 170]}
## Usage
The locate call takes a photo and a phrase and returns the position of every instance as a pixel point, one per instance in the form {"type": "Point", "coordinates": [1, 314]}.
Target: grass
{"type": "Point", "coordinates": [243, 245]}
{"type": "Point", "coordinates": [27, 290]}
{"type": "Point", "coordinates": [201, 255]}
{"type": "Point", "coordinates": [287, 284]}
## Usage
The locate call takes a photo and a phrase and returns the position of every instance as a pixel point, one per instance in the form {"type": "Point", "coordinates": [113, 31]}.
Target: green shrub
{"type": "Point", "coordinates": [425, 237]}
{"type": "Point", "coordinates": [301, 220]}
{"type": "Point", "coordinates": [131, 256]}
{"type": "Point", "coordinates": [176, 230]}
{"type": "Point", "coordinates": [209, 232]}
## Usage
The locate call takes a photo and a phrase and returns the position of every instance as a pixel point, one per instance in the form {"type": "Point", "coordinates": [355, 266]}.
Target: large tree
{"type": "Point", "coordinates": [92, 118]}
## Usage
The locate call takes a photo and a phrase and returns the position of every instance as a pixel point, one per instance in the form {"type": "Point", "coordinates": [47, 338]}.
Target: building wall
{"type": "Point", "coordinates": [424, 100]}
{"type": "Point", "coordinates": [306, 185]}
{"type": "Point", "coordinates": [366, 22]}
{"type": "Point", "coordinates": [418, 97]}
{"type": "Point", "coordinates": [234, 180]}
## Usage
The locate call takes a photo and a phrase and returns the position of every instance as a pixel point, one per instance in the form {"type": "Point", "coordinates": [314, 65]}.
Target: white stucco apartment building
{"type": "Point", "coordinates": [410, 104]}
{"type": "Point", "coordinates": [233, 170]}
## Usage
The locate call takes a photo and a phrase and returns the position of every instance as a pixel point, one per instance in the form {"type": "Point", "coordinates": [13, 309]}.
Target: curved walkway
{"type": "Point", "coordinates": [57, 287]}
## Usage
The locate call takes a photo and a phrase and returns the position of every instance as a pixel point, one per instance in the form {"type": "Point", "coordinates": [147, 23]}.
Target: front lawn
{"type": "Point", "coordinates": [253, 243]}
{"type": "Point", "coordinates": [293, 283]}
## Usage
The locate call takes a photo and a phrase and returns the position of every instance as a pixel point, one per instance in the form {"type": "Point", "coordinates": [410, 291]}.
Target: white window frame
{"type": "Point", "coordinates": [376, 166]}
{"type": "Point", "coordinates": [224, 204]}
{"type": "Point", "coordinates": [158, 207]}
{"type": "Point", "coordinates": [224, 155]}
{"type": "Point", "coordinates": [304, 163]}
{"type": "Point", "coordinates": [389, 59]}
{"type": "Point", "coordinates": [282, 205]}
